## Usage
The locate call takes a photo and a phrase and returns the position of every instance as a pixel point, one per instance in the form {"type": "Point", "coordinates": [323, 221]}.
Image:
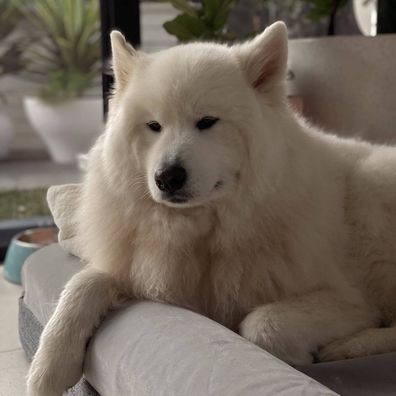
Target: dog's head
{"type": "Point", "coordinates": [185, 116]}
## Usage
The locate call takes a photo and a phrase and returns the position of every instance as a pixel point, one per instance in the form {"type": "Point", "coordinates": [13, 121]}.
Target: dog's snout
{"type": "Point", "coordinates": [171, 179]}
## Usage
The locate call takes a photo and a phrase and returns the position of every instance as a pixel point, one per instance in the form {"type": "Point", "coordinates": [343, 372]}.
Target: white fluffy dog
{"type": "Point", "coordinates": [206, 191]}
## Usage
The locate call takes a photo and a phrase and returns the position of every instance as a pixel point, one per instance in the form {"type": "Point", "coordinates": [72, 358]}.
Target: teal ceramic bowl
{"type": "Point", "coordinates": [22, 246]}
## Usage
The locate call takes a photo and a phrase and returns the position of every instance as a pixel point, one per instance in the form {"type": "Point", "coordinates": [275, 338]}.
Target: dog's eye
{"type": "Point", "coordinates": [154, 126]}
{"type": "Point", "coordinates": [206, 122]}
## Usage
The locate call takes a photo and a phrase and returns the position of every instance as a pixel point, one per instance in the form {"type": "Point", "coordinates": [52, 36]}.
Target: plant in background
{"type": "Point", "coordinates": [325, 9]}
{"type": "Point", "coordinates": [10, 64]}
{"type": "Point", "coordinates": [204, 21]}
{"type": "Point", "coordinates": [208, 19]}
{"type": "Point", "coordinates": [65, 57]}
{"type": "Point", "coordinates": [10, 55]}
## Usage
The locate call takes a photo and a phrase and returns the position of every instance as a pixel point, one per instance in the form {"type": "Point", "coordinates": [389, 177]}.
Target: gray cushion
{"type": "Point", "coordinates": [370, 376]}
{"type": "Point", "coordinates": [44, 275]}
{"type": "Point", "coordinates": [154, 349]}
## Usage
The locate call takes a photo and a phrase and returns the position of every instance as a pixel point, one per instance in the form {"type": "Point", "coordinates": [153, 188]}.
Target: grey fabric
{"type": "Point", "coordinates": [147, 348]}
{"type": "Point", "coordinates": [83, 388]}
{"type": "Point", "coordinates": [29, 332]}
{"type": "Point", "coordinates": [374, 375]}
{"type": "Point", "coordinates": [340, 71]}
{"type": "Point", "coordinates": [43, 276]}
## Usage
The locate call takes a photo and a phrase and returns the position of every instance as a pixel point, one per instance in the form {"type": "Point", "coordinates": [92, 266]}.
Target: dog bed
{"type": "Point", "coordinates": [154, 349]}
{"type": "Point", "coordinates": [148, 348]}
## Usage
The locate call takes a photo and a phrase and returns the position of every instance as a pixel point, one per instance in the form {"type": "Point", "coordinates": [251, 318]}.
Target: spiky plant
{"type": "Point", "coordinates": [10, 56]}
{"type": "Point", "coordinates": [66, 54]}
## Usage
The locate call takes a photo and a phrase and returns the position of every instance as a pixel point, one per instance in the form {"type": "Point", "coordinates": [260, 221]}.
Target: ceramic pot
{"type": "Point", "coordinates": [68, 128]}
{"type": "Point", "coordinates": [22, 246]}
{"type": "Point", "coordinates": [6, 134]}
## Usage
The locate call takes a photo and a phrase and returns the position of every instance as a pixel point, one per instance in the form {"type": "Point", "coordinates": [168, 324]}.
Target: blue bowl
{"type": "Point", "coordinates": [22, 246]}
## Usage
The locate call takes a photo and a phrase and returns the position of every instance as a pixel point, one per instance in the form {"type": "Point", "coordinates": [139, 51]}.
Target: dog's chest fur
{"type": "Point", "coordinates": [196, 262]}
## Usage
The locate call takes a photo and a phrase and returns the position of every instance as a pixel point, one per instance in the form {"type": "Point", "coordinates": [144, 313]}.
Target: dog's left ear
{"type": "Point", "coordinates": [264, 59]}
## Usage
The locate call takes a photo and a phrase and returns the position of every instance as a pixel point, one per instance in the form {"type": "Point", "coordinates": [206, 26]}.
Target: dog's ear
{"type": "Point", "coordinates": [124, 57]}
{"type": "Point", "coordinates": [264, 59]}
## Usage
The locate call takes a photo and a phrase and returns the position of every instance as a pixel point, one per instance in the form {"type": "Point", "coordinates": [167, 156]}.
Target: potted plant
{"type": "Point", "coordinates": [65, 60]}
{"type": "Point", "coordinates": [227, 20]}
{"type": "Point", "coordinates": [10, 64]}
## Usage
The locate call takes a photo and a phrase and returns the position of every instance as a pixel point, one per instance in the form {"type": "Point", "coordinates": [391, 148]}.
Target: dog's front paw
{"type": "Point", "coordinates": [266, 329]}
{"type": "Point", "coordinates": [41, 385]}
{"type": "Point", "coordinates": [52, 375]}
{"type": "Point", "coordinates": [342, 349]}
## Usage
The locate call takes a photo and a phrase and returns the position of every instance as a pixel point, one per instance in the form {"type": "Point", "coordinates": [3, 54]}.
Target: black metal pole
{"type": "Point", "coordinates": [123, 15]}
{"type": "Point", "coordinates": [332, 19]}
{"type": "Point", "coordinates": [386, 20]}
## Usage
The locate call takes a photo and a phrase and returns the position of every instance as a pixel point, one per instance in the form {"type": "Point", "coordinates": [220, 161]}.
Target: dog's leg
{"type": "Point", "coordinates": [367, 342]}
{"type": "Point", "coordinates": [57, 364]}
{"type": "Point", "coordinates": [293, 330]}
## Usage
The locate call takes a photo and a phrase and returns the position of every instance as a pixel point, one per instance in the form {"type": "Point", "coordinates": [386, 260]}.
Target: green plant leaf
{"type": "Point", "coordinates": [208, 22]}
{"type": "Point", "coordinates": [222, 14]}
{"type": "Point", "coordinates": [184, 7]}
{"type": "Point", "coordinates": [215, 12]}
{"type": "Point", "coordinates": [321, 8]}
{"type": "Point", "coordinates": [186, 27]}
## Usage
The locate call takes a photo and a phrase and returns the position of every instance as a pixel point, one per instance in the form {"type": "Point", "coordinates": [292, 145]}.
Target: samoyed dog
{"type": "Point", "coordinates": [206, 191]}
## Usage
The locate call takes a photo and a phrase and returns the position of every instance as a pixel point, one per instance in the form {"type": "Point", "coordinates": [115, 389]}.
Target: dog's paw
{"type": "Point", "coordinates": [263, 328]}
{"type": "Point", "coordinates": [40, 386]}
{"type": "Point", "coordinates": [342, 349]}
{"type": "Point", "coordinates": [52, 375]}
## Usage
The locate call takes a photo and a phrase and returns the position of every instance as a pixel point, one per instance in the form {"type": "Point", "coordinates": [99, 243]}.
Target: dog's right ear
{"type": "Point", "coordinates": [124, 57]}
{"type": "Point", "coordinates": [264, 59]}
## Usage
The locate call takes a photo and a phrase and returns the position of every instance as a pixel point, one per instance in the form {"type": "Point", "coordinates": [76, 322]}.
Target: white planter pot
{"type": "Point", "coordinates": [68, 128]}
{"type": "Point", "coordinates": [6, 134]}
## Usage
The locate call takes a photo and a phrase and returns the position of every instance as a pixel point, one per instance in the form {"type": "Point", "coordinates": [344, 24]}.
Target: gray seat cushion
{"type": "Point", "coordinates": [148, 348]}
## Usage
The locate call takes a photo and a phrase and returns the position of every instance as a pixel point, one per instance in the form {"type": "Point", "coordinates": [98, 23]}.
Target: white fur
{"type": "Point", "coordinates": [296, 248]}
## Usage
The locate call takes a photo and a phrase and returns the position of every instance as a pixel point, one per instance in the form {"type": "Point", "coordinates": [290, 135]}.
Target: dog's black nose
{"type": "Point", "coordinates": [171, 179]}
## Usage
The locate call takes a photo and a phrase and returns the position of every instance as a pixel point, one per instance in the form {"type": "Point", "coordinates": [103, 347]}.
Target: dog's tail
{"type": "Point", "coordinates": [367, 342]}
